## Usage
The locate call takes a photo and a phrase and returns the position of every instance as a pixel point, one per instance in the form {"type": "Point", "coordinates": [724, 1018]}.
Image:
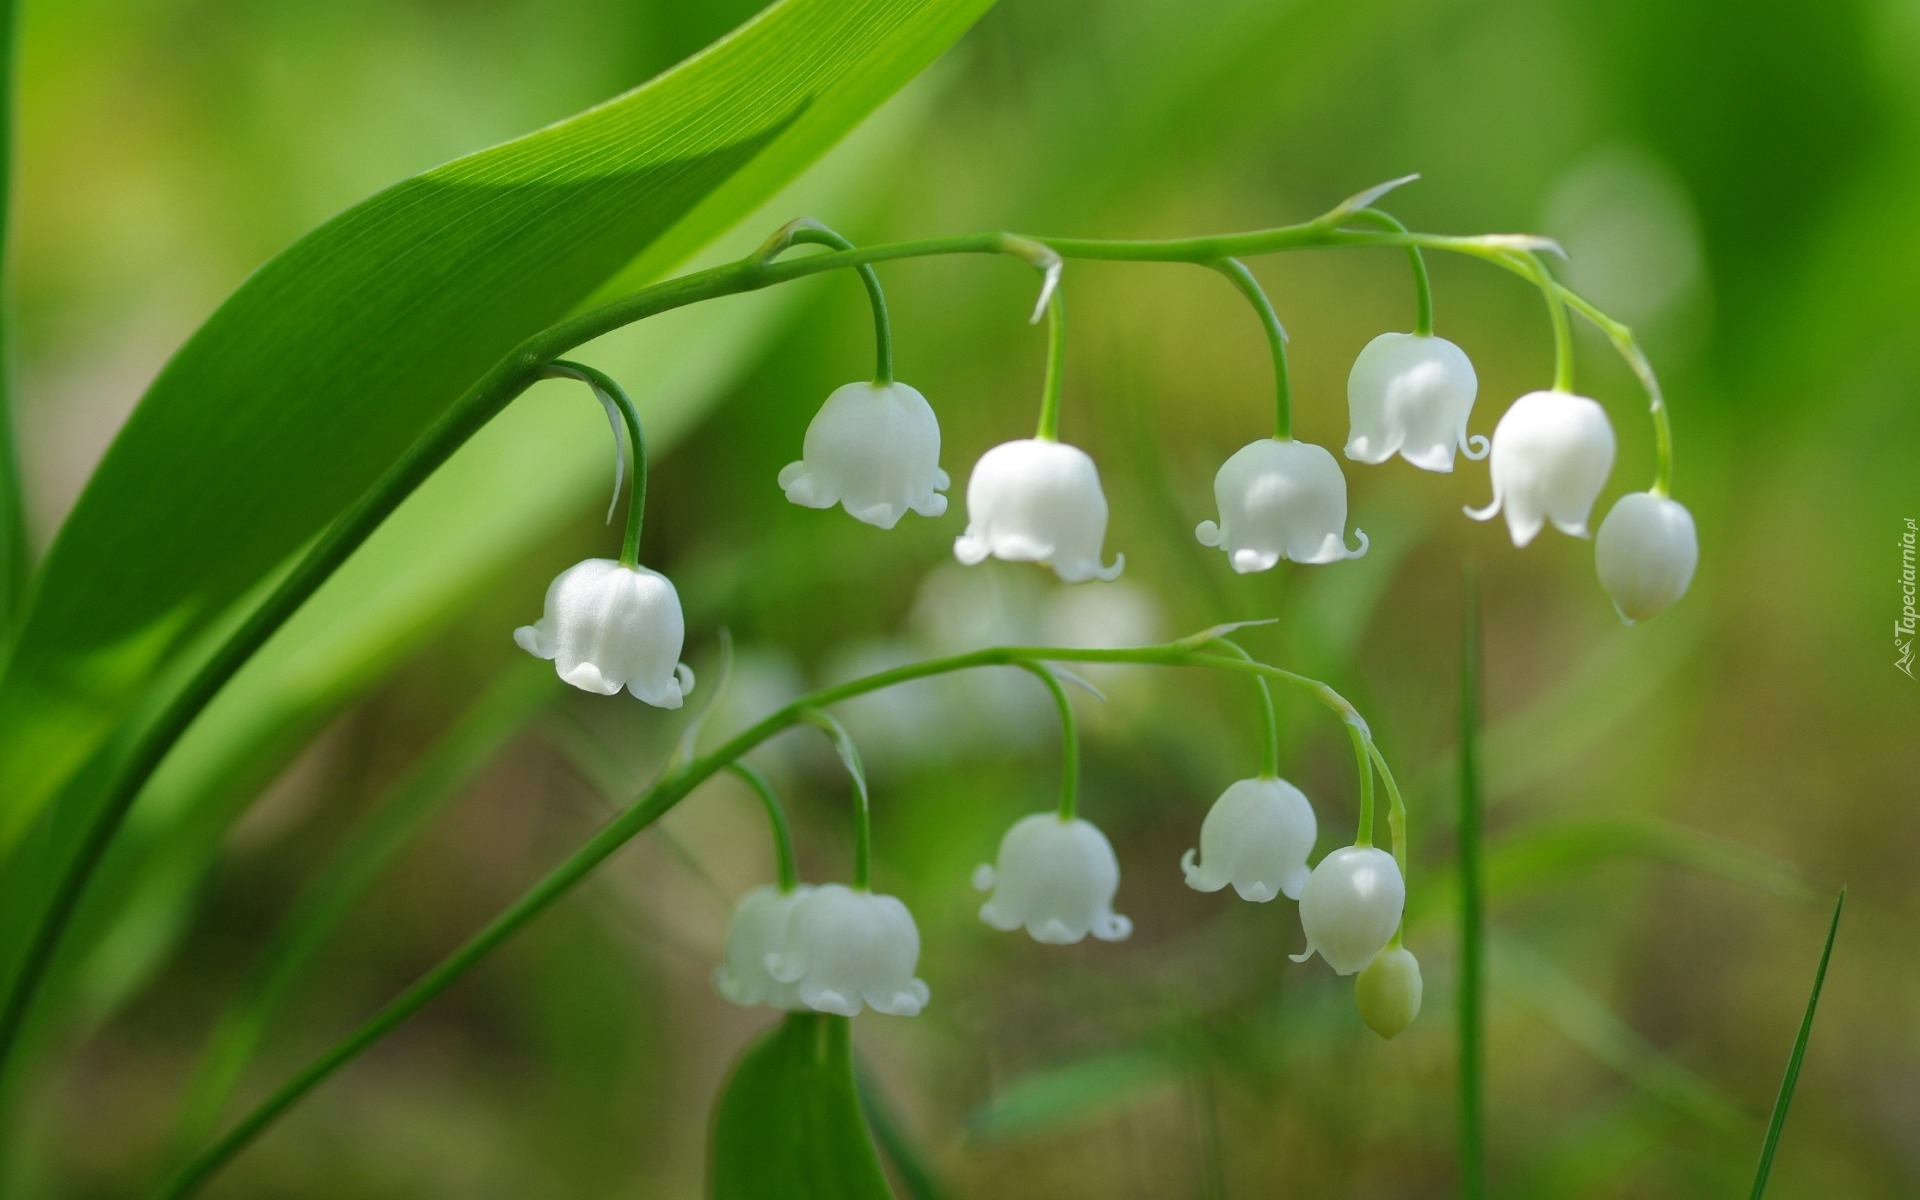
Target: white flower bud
{"type": "Point", "coordinates": [758, 933]}
{"type": "Point", "coordinates": [875, 449]}
{"type": "Point", "coordinates": [1038, 501]}
{"type": "Point", "coordinates": [1388, 992]}
{"type": "Point", "coordinates": [1410, 394]}
{"type": "Point", "coordinates": [1055, 877]}
{"type": "Point", "coordinates": [1645, 554]}
{"type": "Point", "coordinates": [1280, 499]}
{"type": "Point", "coordinates": [1256, 837]}
{"type": "Point", "coordinates": [1351, 906]}
{"type": "Point", "coordinates": [845, 947]}
{"type": "Point", "coordinates": [1551, 455]}
{"type": "Point", "coordinates": [609, 626]}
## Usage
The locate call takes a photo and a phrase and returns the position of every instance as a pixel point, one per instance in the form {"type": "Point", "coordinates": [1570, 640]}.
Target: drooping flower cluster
{"type": "Point", "coordinates": [831, 948]}
{"type": "Point", "coordinates": [874, 450]}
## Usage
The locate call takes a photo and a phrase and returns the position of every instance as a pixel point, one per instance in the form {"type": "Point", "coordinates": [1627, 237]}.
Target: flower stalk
{"type": "Point", "coordinates": [1248, 286]}
{"type": "Point", "coordinates": [620, 411]}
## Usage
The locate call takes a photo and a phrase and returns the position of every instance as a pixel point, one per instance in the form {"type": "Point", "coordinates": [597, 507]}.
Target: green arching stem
{"type": "Point", "coordinates": [1562, 327]}
{"type": "Point", "coordinates": [788, 872]}
{"type": "Point", "coordinates": [1056, 380]}
{"type": "Point", "coordinates": [512, 375]}
{"type": "Point", "coordinates": [618, 402]}
{"type": "Point", "coordinates": [1069, 739]}
{"type": "Point", "coordinates": [1270, 746]}
{"type": "Point", "coordinates": [1624, 344]}
{"type": "Point", "coordinates": [1396, 822]}
{"type": "Point", "coordinates": [661, 797]}
{"type": "Point", "coordinates": [1361, 744]}
{"type": "Point", "coordinates": [862, 804]}
{"type": "Point", "coordinates": [1243, 279]}
{"type": "Point", "coordinates": [1422, 286]}
{"type": "Point", "coordinates": [811, 232]}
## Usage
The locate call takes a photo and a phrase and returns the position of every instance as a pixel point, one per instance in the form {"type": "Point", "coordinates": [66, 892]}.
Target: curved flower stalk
{"type": "Point", "coordinates": [610, 624]}
{"type": "Point", "coordinates": [1056, 877]}
{"type": "Point", "coordinates": [845, 948]}
{"type": "Point", "coordinates": [607, 626]}
{"type": "Point", "coordinates": [1350, 907]}
{"type": "Point", "coordinates": [874, 449]}
{"type": "Point", "coordinates": [1257, 837]}
{"type": "Point", "coordinates": [1038, 501]}
{"type": "Point", "coordinates": [1055, 874]}
{"type": "Point", "coordinates": [758, 936]}
{"type": "Point", "coordinates": [1645, 554]}
{"type": "Point", "coordinates": [1551, 455]}
{"type": "Point", "coordinates": [1280, 499]}
{"type": "Point", "coordinates": [1411, 394]}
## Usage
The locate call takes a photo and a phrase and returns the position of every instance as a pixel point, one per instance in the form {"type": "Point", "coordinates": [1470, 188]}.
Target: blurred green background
{"type": "Point", "coordinates": [1670, 807]}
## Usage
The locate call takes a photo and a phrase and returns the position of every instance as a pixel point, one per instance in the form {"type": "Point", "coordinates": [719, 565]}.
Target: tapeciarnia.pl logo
{"type": "Point", "coordinates": [1904, 627]}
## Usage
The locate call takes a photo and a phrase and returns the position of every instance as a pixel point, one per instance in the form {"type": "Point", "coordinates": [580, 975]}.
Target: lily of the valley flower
{"type": "Point", "coordinates": [1388, 992]}
{"type": "Point", "coordinates": [1646, 553]}
{"type": "Point", "coordinates": [1410, 394]}
{"type": "Point", "coordinates": [1551, 455]}
{"type": "Point", "coordinates": [1256, 837]}
{"type": "Point", "coordinates": [1055, 877]}
{"type": "Point", "coordinates": [759, 933]}
{"type": "Point", "coordinates": [1280, 499]}
{"type": "Point", "coordinates": [845, 948]}
{"type": "Point", "coordinates": [1039, 501]}
{"type": "Point", "coordinates": [873, 448]}
{"type": "Point", "coordinates": [607, 626]}
{"type": "Point", "coordinates": [1351, 906]}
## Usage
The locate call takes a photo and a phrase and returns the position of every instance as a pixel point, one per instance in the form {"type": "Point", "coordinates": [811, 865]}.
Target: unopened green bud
{"type": "Point", "coordinates": [1388, 991]}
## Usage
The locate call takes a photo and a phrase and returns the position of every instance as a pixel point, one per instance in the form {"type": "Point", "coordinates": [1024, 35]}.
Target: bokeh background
{"type": "Point", "coordinates": [1671, 807]}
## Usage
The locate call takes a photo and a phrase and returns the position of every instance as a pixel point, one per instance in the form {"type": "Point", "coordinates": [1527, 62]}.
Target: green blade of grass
{"type": "Point", "coordinates": [1785, 1098]}
{"type": "Point", "coordinates": [1473, 1168]}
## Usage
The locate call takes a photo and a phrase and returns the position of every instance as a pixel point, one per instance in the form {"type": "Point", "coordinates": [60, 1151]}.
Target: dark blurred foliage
{"type": "Point", "coordinates": [1737, 180]}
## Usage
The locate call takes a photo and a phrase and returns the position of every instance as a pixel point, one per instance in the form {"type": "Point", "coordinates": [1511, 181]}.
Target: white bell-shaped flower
{"type": "Point", "coordinates": [759, 933]}
{"type": "Point", "coordinates": [1057, 878]}
{"type": "Point", "coordinates": [1388, 992]}
{"type": "Point", "coordinates": [845, 948]}
{"type": "Point", "coordinates": [1646, 553]}
{"type": "Point", "coordinates": [1551, 455]}
{"type": "Point", "coordinates": [1256, 837]}
{"type": "Point", "coordinates": [609, 626]}
{"type": "Point", "coordinates": [1410, 394]}
{"type": "Point", "coordinates": [1038, 501]}
{"type": "Point", "coordinates": [1280, 499]}
{"type": "Point", "coordinates": [875, 449]}
{"type": "Point", "coordinates": [1351, 906]}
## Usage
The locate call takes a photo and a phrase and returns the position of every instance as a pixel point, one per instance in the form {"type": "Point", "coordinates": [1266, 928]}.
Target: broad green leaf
{"type": "Point", "coordinates": [1061, 1095]}
{"type": "Point", "coordinates": [788, 1126]}
{"type": "Point", "coordinates": [1522, 973]}
{"type": "Point", "coordinates": [436, 554]}
{"type": "Point", "coordinates": [13, 525]}
{"type": "Point", "coordinates": [328, 363]}
{"type": "Point", "coordinates": [1550, 852]}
